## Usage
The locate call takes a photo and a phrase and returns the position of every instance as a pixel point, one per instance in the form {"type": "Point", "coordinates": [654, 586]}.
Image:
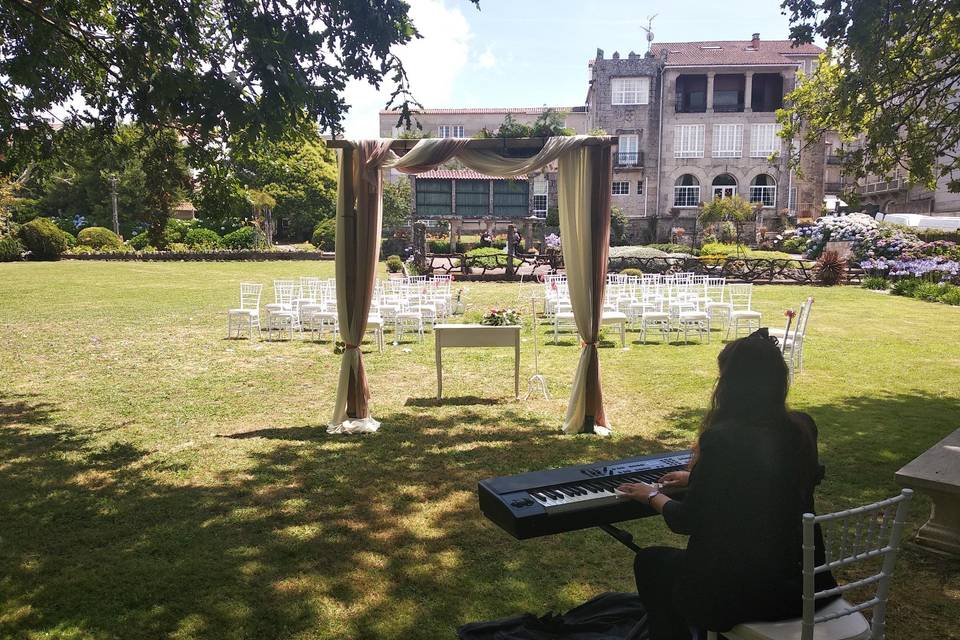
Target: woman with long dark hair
{"type": "Point", "coordinates": [753, 475]}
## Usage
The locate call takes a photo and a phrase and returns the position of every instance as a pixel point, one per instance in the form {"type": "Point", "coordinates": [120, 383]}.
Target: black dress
{"type": "Point", "coordinates": [742, 511]}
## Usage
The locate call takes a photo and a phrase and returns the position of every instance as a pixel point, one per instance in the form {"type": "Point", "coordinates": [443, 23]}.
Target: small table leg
{"type": "Point", "coordinates": [516, 368]}
{"type": "Point", "coordinates": [439, 367]}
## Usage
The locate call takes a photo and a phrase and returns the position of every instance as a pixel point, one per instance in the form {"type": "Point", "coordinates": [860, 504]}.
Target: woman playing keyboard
{"type": "Point", "coordinates": [753, 475]}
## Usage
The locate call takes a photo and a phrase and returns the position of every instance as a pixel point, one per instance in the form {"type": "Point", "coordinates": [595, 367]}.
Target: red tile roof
{"type": "Point", "coordinates": [732, 52]}
{"type": "Point", "coordinates": [481, 110]}
{"type": "Point", "coordinates": [462, 174]}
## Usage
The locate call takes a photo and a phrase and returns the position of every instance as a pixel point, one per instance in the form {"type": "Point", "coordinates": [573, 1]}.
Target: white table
{"type": "Point", "coordinates": [936, 473]}
{"type": "Point", "coordinates": [477, 335]}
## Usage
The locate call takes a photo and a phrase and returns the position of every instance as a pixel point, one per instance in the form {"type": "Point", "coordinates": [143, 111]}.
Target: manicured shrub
{"type": "Point", "coordinates": [951, 296]}
{"type": "Point", "coordinates": [830, 268]}
{"type": "Point", "coordinates": [243, 238]}
{"type": "Point", "coordinates": [99, 238]}
{"type": "Point", "coordinates": [631, 272]}
{"type": "Point", "coordinates": [43, 239]}
{"type": "Point", "coordinates": [905, 287]}
{"type": "Point", "coordinates": [438, 246]}
{"type": "Point", "coordinates": [875, 283]}
{"type": "Point", "coordinates": [10, 249]}
{"type": "Point", "coordinates": [488, 257]}
{"type": "Point", "coordinates": [929, 291]}
{"type": "Point", "coordinates": [394, 264]}
{"type": "Point", "coordinates": [80, 250]}
{"type": "Point", "coordinates": [177, 230]}
{"type": "Point", "coordinates": [69, 238]}
{"type": "Point", "coordinates": [139, 242]}
{"type": "Point", "coordinates": [796, 244]}
{"type": "Point", "coordinates": [325, 235]}
{"type": "Point", "coordinates": [203, 239]}
{"type": "Point", "coordinates": [718, 249]}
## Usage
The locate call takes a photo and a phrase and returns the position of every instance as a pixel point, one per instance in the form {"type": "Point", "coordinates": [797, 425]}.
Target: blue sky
{"type": "Point", "coordinates": [535, 52]}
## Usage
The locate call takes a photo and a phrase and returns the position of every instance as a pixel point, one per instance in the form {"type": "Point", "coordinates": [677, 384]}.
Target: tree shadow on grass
{"type": "Point", "coordinates": [325, 536]}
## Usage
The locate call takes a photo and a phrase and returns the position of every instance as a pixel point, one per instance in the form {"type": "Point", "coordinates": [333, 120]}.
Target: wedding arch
{"type": "Point", "coordinates": [584, 172]}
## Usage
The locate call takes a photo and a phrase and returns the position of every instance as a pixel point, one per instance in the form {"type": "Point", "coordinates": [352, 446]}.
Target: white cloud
{"type": "Point", "coordinates": [487, 60]}
{"type": "Point", "coordinates": [433, 64]}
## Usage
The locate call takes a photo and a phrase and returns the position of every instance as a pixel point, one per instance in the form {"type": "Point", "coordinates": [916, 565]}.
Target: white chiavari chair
{"type": "Point", "coordinates": [249, 311]}
{"type": "Point", "coordinates": [868, 534]}
{"type": "Point", "coordinates": [742, 316]}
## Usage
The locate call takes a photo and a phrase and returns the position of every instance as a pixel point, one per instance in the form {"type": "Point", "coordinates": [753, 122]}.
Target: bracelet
{"type": "Point", "coordinates": [653, 494]}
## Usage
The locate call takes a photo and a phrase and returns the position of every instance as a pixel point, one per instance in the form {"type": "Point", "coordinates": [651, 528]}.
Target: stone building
{"type": "Point", "coordinates": [695, 120]}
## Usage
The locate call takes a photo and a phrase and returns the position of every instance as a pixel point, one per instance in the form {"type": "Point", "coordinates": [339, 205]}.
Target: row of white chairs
{"type": "Point", "coordinates": [310, 305]}
{"type": "Point", "coordinates": [658, 303]}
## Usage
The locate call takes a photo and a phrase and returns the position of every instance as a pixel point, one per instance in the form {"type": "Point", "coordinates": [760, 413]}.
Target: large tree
{"type": "Point", "coordinates": [890, 80]}
{"type": "Point", "coordinates": [208, 68]}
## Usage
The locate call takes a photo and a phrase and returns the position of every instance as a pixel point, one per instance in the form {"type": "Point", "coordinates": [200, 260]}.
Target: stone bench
{"type": "Point", "coordinates": [936, 473]}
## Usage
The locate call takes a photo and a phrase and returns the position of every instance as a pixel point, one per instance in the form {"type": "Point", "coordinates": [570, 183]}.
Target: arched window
{"type": "Point", "coordinates": [686, 191]}
{"type": "Point", "coordinates": [763, 189]}
{"type": "Point", "coordinates": [724, 186]}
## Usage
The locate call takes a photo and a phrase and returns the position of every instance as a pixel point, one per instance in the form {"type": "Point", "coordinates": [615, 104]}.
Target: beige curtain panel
{"type": "Point", "coordinates": [584, 192]}
{"type": "Point", "coordinates": [359, 216]}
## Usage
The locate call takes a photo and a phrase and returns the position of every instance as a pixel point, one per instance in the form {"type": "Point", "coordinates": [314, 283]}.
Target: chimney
{"type": "Point", "coordinates": [756, 41]}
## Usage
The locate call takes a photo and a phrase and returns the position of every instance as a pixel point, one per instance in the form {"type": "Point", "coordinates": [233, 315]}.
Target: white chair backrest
{"type": "Point", "coordinates": [716, 289]}
{"type": "Point", "coordinates": [309, 288]}
{"type": "Point", "coordinates": [283, 291]}
{"type": "Point", "coordinates": [741, 296]}
{"type": "Point", "coordinates": [250, 295]}
{"type": "Point", "coordinates": [856, 535]}
{"type": "Point", "coordinates": [802, 321]}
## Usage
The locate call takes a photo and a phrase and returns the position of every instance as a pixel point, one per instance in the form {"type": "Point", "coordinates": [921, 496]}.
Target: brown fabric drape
{"type": "Point", "coordinates": [359, 216]}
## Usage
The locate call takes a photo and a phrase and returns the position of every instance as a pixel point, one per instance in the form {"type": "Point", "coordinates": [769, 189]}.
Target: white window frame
{"type": "Point", "coordinates": [682, 196]}
{"type": "Point", "coordinates": [630, 90]}
{"type": "Point", "coordinates": [727, 140]}
{"type": "Point", "coordinates": [765, 194]}
{"type": "Point", "coordinates": [628, 144]}
{"type": "Point", "coordinates": [620, 190]}
{"type": "Point", "coordinates": [450, 130]}
{"type": "Point", "coordinates": [640, 188]}
{"type": "Point", "coordinates": [764, 139]}
{"type": "Point", "coordinates": [458, 131]}
{"type": "Point", "coordinates": [688, 141]}
{"type": "Point", "coordinates": [541, 193]}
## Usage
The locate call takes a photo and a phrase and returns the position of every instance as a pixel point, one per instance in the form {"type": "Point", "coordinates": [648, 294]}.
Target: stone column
{"type": "Point", "coordinates": [748, 92]}
{"type": "Point", "coordinates": [710, 75]}
{"type": "Point", "coordinates": [455, 224]}
{"type": "Point", "coordinates": [420, 246]}
{"type": "Point", "coordinates": [528, 233]}
{"type": "Point", "coordinates": [511, 249]}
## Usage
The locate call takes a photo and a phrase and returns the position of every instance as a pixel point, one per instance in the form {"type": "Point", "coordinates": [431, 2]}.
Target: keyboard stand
{"type": "Point", "coordinates": [623, 537]}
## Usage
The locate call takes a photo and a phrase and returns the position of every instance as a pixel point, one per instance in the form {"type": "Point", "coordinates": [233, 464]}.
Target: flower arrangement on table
{"type": "Point", "coordinates": [501, 317]}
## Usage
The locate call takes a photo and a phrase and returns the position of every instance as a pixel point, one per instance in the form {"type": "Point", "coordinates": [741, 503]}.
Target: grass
{"type": "Point", "coordinates": [158, 481]}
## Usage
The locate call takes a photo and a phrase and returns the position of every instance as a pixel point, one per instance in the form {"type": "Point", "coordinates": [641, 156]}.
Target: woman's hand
{"type": "Point", "coordinates": [675, 479]}
{"type": "Point", "coordinates": [639, 491]}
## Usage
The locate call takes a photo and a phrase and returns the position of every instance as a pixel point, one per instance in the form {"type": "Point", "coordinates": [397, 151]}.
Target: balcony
{"type": "Point", "coordinates": [834, 159]}
{"type": "Point", "coordinates": [728, 108]}
{"type": "Point", "coordinates": [836, 187]}
{"type": "Point", "coordinates": [628, 159]}
{"type": "Point", "coordinates": [884, 186]}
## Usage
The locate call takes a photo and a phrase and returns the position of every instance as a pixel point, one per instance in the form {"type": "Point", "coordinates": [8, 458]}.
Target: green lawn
{"type": "Point", "coordinates": [158, 481]}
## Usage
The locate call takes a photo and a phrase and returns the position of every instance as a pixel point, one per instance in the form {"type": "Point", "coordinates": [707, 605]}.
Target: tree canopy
{"type": "Point", "coordinates": [889, 82]}
{"type": "Point", "coordinates": [211, 69]}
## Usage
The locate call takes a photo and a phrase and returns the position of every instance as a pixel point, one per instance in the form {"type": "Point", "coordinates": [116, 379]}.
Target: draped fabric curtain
{"type": "Point", "coordinates": [584, 194]}
{"type": "Point", "coordinates": [359, 216]}
{"type": "Point", "coordinates": [584, 202]}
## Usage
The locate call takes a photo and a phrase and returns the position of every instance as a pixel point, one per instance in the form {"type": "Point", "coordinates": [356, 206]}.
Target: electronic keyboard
{"type": "Point", "coordinates": [540, 503]}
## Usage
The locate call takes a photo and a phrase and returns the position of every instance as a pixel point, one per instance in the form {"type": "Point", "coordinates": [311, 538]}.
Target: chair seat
{"type": "Point", "coordinates": [851, 627]}
{"type": "Point", "coordinates": [693, 315]}
{"type": "Point", "coordinates": [563, 315]}
{"type": "Point", "coordinates": [278, 306]}
{"type": "Point", "coordinates": [253, 313]}
{"type": "Point", "coordinates": [612, 317]}
{"type": "Point", "coordinates": [656, 315]}
{"type": "Point", "coordinates": [746, 313]}
{"type": "Point", "coordinates": [374, 322]}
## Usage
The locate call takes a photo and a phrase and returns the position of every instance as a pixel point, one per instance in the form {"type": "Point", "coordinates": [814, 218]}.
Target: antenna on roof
{"type": "Point", "coordinates": [649, 30]}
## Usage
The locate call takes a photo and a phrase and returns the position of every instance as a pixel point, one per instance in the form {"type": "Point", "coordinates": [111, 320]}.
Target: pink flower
{"type": "Point", "coordinates": [789, 313]}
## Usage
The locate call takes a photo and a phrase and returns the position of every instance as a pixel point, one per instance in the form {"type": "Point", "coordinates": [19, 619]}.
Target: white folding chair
{"type": "Point", "coordinates": [793, 343]}
{"type": "Point", "coordinates": [870, 532]}
{"type": "Point", "coordinates": [249, 311]}
{"type": "Point", "coordinates": [742, 315]}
